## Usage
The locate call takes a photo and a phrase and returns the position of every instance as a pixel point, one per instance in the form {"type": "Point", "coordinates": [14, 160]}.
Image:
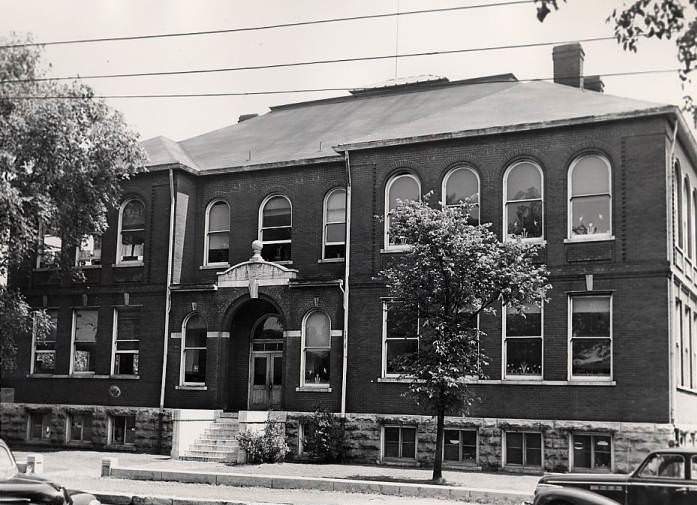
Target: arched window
{"type": "Point", "coordinates": [193, 358]}
{"type": "Point", "coordinates": [590, 198]}
{"type": "Point", "coordinates": [523, 191]}
{"type": "Point", "coordinates": [275, 225]}
{"type": "Point", "coordinates": [334, 230]}
{"type": "Point", "coordinates": [400, 188]}
{"type": "Point", "coordinates": [268, 327]}
{"type": "Point", "coordinates": [217, 241]}
{"type": "Point", "coordinates": [462, 185]}
{"type": "Point", "coordinates": [677, 192]}
{"type": "Point", "coordinates": [131, 232]}
{"type": "Point", "coordinates": [688, 217]}
{"type": "Point", "coordinates": [316, 343]}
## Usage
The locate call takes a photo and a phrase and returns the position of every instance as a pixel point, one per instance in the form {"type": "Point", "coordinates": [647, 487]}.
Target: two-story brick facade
{"type": "Point", "coordinates": [178, 312]}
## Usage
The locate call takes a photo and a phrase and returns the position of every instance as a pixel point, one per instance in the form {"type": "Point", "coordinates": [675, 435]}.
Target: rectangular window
{"type": "Point", "coordinates": [89, 253]}
{"type": "Point", "coordinates": [84, 340]}
{"type": "Point", "coordinates": [122, 430]}
{"type": "Point", "coordinates": [50, 246]}
{"type": "Point", "coordinates": [79, 428]}
{"type": "Point", "coordinates": [523, 449]}
{"type": "Point", "coordinates": [686, 351]}
{"type": "Point", "coordinates": [590, 338]}
{"type": "Point", "coordinates": [400, 337]}
{"type": "Point", "coordinates": [305, 434]}
{"type": "Point", "coordinates": [399, 442]}
{"type": "Point", "coordinates": [523, 342]}
{"type": "Point", "coordinates": [39, 428]}
{"type": "Point", "coordinates": [592, 452]}
{"type": "Point", "coordinates": [126, 349]}
{"type": "Point", "coordinates": [44, 350]}
{"type": "Point", "coordinates": [460, 446]}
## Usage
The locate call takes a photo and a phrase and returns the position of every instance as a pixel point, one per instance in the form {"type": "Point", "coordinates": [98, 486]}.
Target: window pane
{"type": "Point", "coordinates": [270, 328]}
{"type": "Point", "coordinates": [218, 247]}
{"type": "Point", "coordinates": [36, 426]}
{"type": "Point", "coordinates": [602, 451]}
{"type": "Point", "coordinates": [400, 325]}
{"type": "Point", "coordinates": [524, 356]}
{"type": "Point", "coordinates": [533, 449]}
{"type": "Point", "coordinates": [276, 212]}
{"type": "Point", "coordinates": [402, 188]}
{"type": "Point", "coordinates": [316, 367]}
{"type": "Point", "coordinates": [582, 451]}
{"type": "Point", "coordinates": [590, 176]}
{"type": "Point", "coordinates": [524, 182]}
{"type": "Point", "coordinates": [260, 371]}
{"type": "Point", "coordinates": [335, 251]}
{"type": "Point", "coordinates": [451, 445]}
{"type": "Point", "coordinates": [469, 446]}
{"type": "Point", "coordinates": [409, 443]}
{"type": "Point", "coordinates": [219, 217]}
{"type": "Point", "coordinates": [317, 330]}
{"type": "Point", "coordinates": [514, 448]}
{"type": "Point", "coordinates": [336, 207]}
{"type": "Point", "coordinates": [133, 216]}
{"type": "Point", "coordinates": [591, 356]}
{"type": "Point", "coordinates": [126, 364]}
{"type": "Point", "coordinates": [83, 357]}
{"type": "Point", "coordinates": [525, 219]}
{"type": "Point", "coordinates": [132, 245]}
{"type": "Point", "coordinates": [590, 215]}
{"type": "Point", "coordinates": [80, 427]}
{"type": "Point", "coordinates": [276, 252]}
{"type": "Point", "coordinates": [398, 348]}
{"type": "Point", "coordinates": [195, 365]}
{"type": "Point", "coordinates": [591, 317]}
{"type": "Point", "coordinates": [90, 251]}
{"type": "Point", "coordinates": [336, 232]}
{"type": "Point", "coordinates": [50, 250]}
{"type": "Point", "coordinates": [127, 325]}
{"type": "Point", "coordinates": [53, 332]}
{"type": "Point", "coordinates": [130, 429]}
{"type": "Point", "coordinates": [462, 186]}
{"type": "Point", "coordinates": [277, 370]}
{"type": "Point", "coordinates": [45, 361]}
{"type": "Point", "coordinates": [196, 332]}
{"type": "Point", "coordinates": [273, 234]}
{"type": "Point", "coordinates": [529, 323]}
{"type": "Point", "coordinates": [86, 325]}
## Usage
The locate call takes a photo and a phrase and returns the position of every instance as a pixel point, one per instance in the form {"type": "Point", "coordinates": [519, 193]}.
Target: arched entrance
{"type": "Point", "coordinates": [255, 371]}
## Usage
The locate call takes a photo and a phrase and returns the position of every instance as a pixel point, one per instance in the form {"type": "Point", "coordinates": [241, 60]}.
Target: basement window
{"type": "Point", "coordinates": [399, 442]}
{"type": "Point", "coordinates": [122, 430]}
{"type": "Point", "coordinates": [79, 428]}
{"type": "Point", "coordinates": [460, 446]}
{"type": "Point", "coordinates": [523, 449]}
{"type": "Point", "coordinates": [38, 427]}
{"type": "Point", "coordinates": [592, 452]}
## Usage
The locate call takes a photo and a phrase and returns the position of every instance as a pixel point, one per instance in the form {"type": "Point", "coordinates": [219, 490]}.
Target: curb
{"type": "Point", "coordinates": [113, 498]}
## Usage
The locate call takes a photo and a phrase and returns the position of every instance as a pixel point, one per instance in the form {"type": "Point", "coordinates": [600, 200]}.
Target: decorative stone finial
{"type": "Point", "coordinates": [256, 250]}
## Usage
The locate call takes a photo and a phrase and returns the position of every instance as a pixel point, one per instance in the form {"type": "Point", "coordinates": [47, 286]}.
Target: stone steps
{"type": "Point", "coordinates": [218, 442]}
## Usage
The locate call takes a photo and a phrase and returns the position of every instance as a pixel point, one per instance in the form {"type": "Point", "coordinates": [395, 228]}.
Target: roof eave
{"type": "Point", "coordinates": [275, 164]}
{"type": "Point", "coordinates": [159, 167]}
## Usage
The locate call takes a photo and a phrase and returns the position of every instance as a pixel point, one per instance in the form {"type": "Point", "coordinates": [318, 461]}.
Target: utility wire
{"type": "Point", "coordinates": [267, 27]}
{"type": "Point", "coordinates": [311, 62]}
{"type": "Point", "coordinates": [293, 91]}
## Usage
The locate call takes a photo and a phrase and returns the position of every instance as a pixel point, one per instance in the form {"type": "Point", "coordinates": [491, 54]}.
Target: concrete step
{"type": "Point", "coordinates": [220, 433]}
{"type": "Point", "coordinates": [197, 446]}
{"type": "Point", "coordinates": [211, 453]}
{"type": "Point", "coordinates": [188, 457]}
{"type": "Point", "coordinates": [227, 415]}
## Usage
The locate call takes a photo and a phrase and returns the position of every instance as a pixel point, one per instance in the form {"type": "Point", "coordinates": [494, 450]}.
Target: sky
{"type": "Point", "coordinates": [180, 118]}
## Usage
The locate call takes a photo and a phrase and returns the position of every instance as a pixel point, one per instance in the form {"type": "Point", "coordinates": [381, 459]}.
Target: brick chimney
{"type": "Point", "coordinates": [568, 64]}
{"type": "Point", "coordinates": [593, 83]}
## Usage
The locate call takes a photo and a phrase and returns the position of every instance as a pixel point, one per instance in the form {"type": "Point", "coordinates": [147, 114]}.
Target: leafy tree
{"type": "Point", "coordinates": [62, 161]}
{"type": "Point", "coordinates": [451, 273]}
{"type": "Point", "coordinates": [661, 19]}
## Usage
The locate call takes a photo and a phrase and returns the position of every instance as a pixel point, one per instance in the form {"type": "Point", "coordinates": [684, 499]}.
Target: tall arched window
{"type": "Point", "coordinates": [590, 198]}
{"type": "Point", "coordinates": [523, 191]}
{"type": "Point", "coordinates": [275, 225]}
{"type": "Point", "coordinates": [131, 236]}
{"type": "Point", "coordinates": [217, 241]}
{"type": "Point", "coordinates": [316, 344]}
{"type": "Point", "coordinates": [193, 352]}
{"type": "Point", "coordinates": [461, 184]}
{"type": "Point", "coordinates": [400, 188]}
{"type": "Point", "coordinates": [334, 226]}
{"type": "Point", "coordinates": [677, 192]}
{"type": "Point", "coordinates": [688, 217]}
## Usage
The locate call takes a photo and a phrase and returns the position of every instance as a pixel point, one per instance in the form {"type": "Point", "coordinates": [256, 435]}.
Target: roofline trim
{"type": "Point", "coordinates": [335, 158]}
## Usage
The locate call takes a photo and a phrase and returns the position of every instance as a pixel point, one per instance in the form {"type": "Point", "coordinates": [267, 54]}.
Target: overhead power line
{"type": "Point", "coordinates": [267, 27]}
{"type": "Point", "coordinates": [295, 91]}
{"type": "Point", "coordinates": [310, 62]}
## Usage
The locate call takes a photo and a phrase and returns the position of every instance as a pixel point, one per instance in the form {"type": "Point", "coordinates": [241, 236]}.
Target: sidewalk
{"type": "Point", "coordinates": [81, 469]}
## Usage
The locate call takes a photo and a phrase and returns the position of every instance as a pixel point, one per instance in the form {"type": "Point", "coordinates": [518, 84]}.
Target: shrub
{"type": "Point", "coordinates": [268, 446]}
{"type": "Point", "coordinates": [324, 436]}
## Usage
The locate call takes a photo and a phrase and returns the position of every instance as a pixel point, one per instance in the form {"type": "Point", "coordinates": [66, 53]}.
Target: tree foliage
{"type": "Point", "coordinates": [17, 320]}
{"type": "Point", "coordinates": [451, 272]}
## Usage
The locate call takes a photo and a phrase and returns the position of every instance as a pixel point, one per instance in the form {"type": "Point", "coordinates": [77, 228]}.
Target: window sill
{"type": "Point", "coordinates": [82, 375]}
{"type": "Point", "coordinates": [122, 376]}
{"type": "Point", "coordinates": [314, 389]}
{"type": "Point", "coordinates": [45, 269]}
{"type": "Point", "coordinates": [395, 249]}
{"type": "Point", "coordinates": [399, 462]}
{"type": "Point", "coordinates": [526, 379]}
{"type": "Point", "coordinates": [43, 376]}
{"type": "Point", "coordinates": [192, 387]}
{"type": "Point", "coordinates": [128, 265]}
{"type": "Point", "coordinates": [284, 262]}
{"type": "Point", "coordinates": [537, 240]}
{"type": "Point", "coordinates": [578, 240]}
{"type": "Point", "coordinates": [538, 382]}
{"type": "Point", "coordinates": [585, 381]}
{"type": "Point", "coordinates": [88, 267]}
{"type": "Point", "coordinates": [214, 266]}
{"type": "Point", "coordinates": [522, 469]}
{"type": "Point", "coordinates": [398, 380]}
{"type": "Point", "coordinates": [687, 390]}
{"type": "Point", "coordinates": [332, 260]}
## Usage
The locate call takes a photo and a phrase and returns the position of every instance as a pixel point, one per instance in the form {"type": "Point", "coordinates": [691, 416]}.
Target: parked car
{"type": "Point", "coordinates": [666, 477]}
{"type": "Point", "coordinates": [17, 487]}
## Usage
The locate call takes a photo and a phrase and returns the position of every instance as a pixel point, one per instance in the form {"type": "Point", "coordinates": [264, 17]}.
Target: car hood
{"type": "Point", "coordinates": [582, 477]}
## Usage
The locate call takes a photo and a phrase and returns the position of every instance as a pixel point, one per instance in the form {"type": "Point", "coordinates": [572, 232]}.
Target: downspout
{"type": "Point", "coordinates": [345, 289]}
{"type": "Point", "coordinates": [168, 296]}
{"type": "Point", "coordinates": [671, 251]}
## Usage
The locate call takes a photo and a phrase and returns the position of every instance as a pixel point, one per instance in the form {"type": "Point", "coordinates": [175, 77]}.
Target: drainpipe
{"type": "Point", "coordinates": [168, 296]}
{"type": "Point", "coordinates": [345, 289]}
{"type": "Point", "coordinates": [671, 289]}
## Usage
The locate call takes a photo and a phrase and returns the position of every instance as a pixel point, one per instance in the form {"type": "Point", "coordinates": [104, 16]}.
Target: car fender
{"type": "Point", "coordinates": [575, 496]}
{"type": "Point", "coordinates": [80, 498]}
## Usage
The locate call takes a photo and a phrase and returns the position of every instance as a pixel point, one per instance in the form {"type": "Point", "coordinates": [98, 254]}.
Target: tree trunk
{"type": "Point", "coordinates": [438, 462]}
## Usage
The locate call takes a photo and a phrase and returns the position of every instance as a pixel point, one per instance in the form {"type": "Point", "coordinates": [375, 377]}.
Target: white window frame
{"type": "Point", "coordinates": [400, 457]}
{"type": "Point", "coordinates": [570, 237]}
{"type": "Point", "coordinates": [119, 260]}
{"type": "Point", "coordinates": [384, 373]}
{"type": "Point", "coordinates": [114, 338]}
{"type": "Point", "coordinates": [260, 227]}
{"type": "Point", "coordinates": [444, 187]}
{"type": "Point", "coordinates": [184, 348]}
{"type": "Point", "coordinates": [570, 339]}
{"type": "Point", "coordinates": [687, 217]}
{"type": "Point", "coordinates": [69, 429]}
{"type": "Point", "coordinates": [79, 248]}
{"type": "Point", "coordinates": [304, 348]}
{"type": "Point", "coordinates": [45, 422]}
{"type": "Point", "coordinates": [110, 430]}
{"type": "Point", "coordinates": [33, 345]}
{"type": "Point", "coordinates": [592, 434]}
{"type": "Point", "coordinates": [524, 464]}
{"type": "Point", "coordinates": [678, 206]}
{"type": "Point", "coordinates": [207, 233]}
{"type": "Point", "coordinates": [40, 251]}
{"type": "Point", "coordinates": [508, 171]}
{"type": "Point", "coordinates": [476, 446]}
{"type": "Point", "coordinates": [504, 350]}
{"type": "Point", "coordinates": [326, 222]}
{"type": "Point", "coordinates": [386, 231]}
{"type": "Point", "coordinates": [71, 368]}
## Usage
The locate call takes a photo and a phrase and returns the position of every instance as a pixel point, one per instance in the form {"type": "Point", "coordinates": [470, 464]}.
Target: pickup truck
{"type": "Point", "coordinates": [665, 477]}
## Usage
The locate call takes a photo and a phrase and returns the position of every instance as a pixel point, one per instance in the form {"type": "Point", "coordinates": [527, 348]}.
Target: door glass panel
{"type": "Point", "coordinates": [277, 371]}
{"type": "Point", "coordinates": [664, 466]}
{"type": "Point", "coordinates": [260, 371]}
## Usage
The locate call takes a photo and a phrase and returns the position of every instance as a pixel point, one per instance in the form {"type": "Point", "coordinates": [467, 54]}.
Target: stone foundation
{"type": "Point", "coordinates": [153, 428]}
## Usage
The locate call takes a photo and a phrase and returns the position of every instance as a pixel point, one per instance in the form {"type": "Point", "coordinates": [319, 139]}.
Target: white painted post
{"type": "Point", "coordinates": [35, 463]}
{"type": "Point", "coordinates": [108, 465]}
